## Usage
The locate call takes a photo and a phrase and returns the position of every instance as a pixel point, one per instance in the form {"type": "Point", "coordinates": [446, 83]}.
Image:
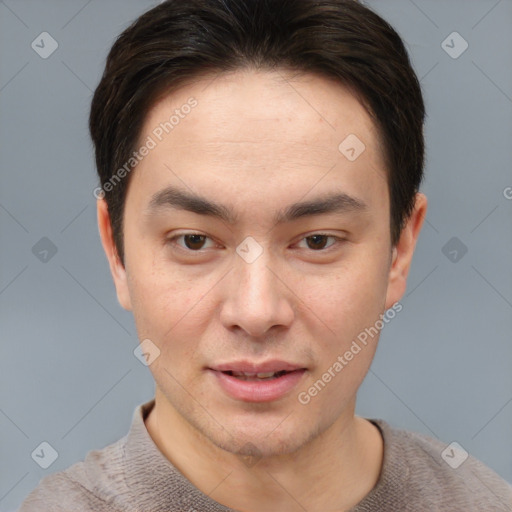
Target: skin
{"type": "Point", "coordinates": [256, 142]}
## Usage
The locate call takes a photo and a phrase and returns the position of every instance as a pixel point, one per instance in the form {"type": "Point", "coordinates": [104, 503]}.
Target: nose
{"type": "Point", "coordinates": [257, 297]}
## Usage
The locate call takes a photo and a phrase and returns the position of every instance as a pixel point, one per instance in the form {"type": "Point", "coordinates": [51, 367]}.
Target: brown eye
{"type": "Point", "coordinates": [321, 243]}
{"type": "Point", "coordinates": [317, 242]}
{"type": "Point", "coordinates": [194, 242]}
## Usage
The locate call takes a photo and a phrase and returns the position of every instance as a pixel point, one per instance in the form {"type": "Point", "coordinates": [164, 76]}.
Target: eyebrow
{"type": "Point", "coordinates": [172, 197]}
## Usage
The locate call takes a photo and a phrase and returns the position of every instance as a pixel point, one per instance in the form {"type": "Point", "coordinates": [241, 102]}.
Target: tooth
{"type": "Point", "coordinates": [265, 375]}
{"type": "Point", "coordinates": [243, 374]}
{"type": "Point", "coordinates": [247, 375]}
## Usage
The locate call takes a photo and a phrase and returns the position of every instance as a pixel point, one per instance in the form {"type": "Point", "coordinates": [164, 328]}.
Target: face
{"type": "Point", "coordinates": [238, 281]}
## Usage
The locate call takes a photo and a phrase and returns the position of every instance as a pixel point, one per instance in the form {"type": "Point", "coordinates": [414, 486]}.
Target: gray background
{"type": "Point", "coordinates": [68, 375]}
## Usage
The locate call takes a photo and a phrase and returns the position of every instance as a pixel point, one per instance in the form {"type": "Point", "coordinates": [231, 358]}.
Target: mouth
{"type": "Point", "coordinates": [257, 383]}
{"type": "Point", "coordinates": [256, 376]}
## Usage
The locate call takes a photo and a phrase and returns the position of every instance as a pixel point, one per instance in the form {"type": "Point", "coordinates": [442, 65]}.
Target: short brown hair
{"type": "Point", "coordinates": [179, 40]}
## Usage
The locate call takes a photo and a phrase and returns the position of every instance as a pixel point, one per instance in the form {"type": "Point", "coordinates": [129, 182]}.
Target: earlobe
{"type": "Point", "coordinates": [117, 269]}
{"type": "Point", "coordinates": [404, 250]}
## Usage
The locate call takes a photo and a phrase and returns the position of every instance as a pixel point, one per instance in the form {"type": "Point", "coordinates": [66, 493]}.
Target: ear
{"type": "Point", "coordinates": [403, 251]}
{"type": "Point", "coordinates": [116, 267]}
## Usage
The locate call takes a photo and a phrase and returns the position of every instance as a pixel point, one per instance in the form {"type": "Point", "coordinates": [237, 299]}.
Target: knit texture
{"type": "Point", "coordinates": [132, 475]}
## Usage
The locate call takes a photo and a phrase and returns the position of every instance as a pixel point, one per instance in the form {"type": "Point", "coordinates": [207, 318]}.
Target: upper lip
{"type": "Point", "coordinates": [273, 365]}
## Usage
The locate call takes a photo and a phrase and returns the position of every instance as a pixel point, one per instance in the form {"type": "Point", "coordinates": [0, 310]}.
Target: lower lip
{"type": "Point", "coordinates": [258, 391]}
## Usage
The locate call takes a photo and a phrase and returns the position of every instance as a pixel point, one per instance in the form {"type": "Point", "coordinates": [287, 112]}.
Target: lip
{"type": "Point", "coordinates": [274, 365]}
{"type": "Point", "coordinates": [253, 390]}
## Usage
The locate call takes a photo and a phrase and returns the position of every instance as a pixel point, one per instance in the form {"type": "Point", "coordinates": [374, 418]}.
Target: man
{"type": "Point", "coordinates": [260, 164]}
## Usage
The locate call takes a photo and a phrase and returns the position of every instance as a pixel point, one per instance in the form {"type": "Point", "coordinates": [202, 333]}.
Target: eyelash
{"type": "Point", "coordinates": [338, 240]}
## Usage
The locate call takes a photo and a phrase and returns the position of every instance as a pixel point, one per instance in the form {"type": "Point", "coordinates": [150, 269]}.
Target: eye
{"type": "Point", "coordinates": [193, 242]}
{"type": "Point", "coordinates": [317, 241]}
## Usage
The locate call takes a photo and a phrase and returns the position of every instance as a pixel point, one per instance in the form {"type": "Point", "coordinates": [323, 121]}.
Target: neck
{"type": "Point", "coordinates": [333, 471]}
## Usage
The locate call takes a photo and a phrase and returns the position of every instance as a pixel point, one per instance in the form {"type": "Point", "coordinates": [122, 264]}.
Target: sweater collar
{"type": "Point", "coordinates": [153, 481]}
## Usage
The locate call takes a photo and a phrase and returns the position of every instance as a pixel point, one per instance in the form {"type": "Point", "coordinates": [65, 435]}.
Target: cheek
{"type": "Point", "coordinates": [170, 308]}
{"type": "Point", "coordinates": [347, 299]}
{"type": "Point", "coordinates": [167, 312]}
{"type": "Point", "coordinates": [346, 342]}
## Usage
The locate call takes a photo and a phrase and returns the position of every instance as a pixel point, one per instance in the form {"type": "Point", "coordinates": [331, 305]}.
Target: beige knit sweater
{"type": "Point", "coordinates": [132, 475]}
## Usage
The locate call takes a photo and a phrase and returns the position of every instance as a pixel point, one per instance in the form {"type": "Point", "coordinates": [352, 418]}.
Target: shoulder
{"type": "Point", "coordinates": [440, 475]}
{"type": "Point", "coordinates": [91, 484]}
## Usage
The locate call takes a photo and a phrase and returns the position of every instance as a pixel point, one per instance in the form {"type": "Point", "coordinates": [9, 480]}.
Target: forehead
{"type": "Point", "coordinates": [253, 129]}
{"type": "Point", "coordinates": [246, 102]}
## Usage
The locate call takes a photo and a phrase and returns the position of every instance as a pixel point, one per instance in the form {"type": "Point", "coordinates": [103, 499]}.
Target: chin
{"type": "Point", "coordinates": [259, 447]}
{"type": "Point", "coordinates": [259, 440]}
